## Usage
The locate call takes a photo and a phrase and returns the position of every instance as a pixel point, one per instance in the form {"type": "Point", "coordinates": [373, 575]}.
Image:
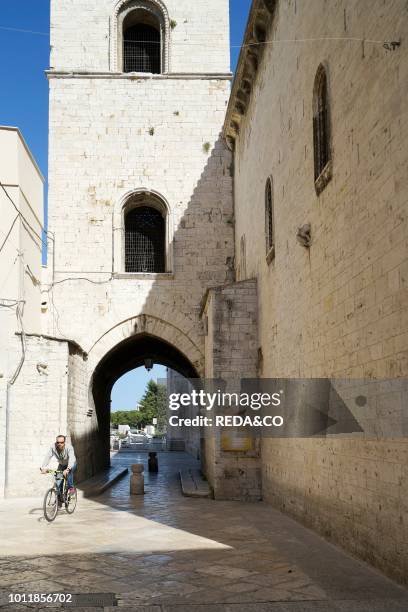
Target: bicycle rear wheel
{"type": "Point", "coordinates": [50, 505]}
{"type": "Point", "coordinates": [71, 502]}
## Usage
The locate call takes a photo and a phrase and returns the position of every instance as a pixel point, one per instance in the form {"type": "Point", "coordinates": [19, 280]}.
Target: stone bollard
{"type": "Point", "coordinates": [153, 462]}
{"type": "Point", "coordinates": [137, 479]}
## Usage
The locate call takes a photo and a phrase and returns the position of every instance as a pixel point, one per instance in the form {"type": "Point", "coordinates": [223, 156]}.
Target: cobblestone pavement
{"type": "Point", "coordinates": [162, 552]}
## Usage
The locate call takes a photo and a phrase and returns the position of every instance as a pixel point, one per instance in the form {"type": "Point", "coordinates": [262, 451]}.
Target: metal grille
{"type": "Point", "coordinates": [321, 136]}
{"type": "Point", "coordinates": [142, 49]}
{"type": "Point", "coordinates": [269, 215]}
{"type": "Point", "coordinates": [144, 240]}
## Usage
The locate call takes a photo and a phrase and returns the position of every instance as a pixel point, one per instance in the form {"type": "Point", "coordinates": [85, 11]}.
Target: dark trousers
{"type": "Point", "coordinates": [70, 477]}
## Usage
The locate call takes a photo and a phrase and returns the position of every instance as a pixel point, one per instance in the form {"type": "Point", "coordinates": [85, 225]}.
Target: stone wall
{"type": "Point", "coordinates": [48, 398]}
{"type": "Point", "coordinates": [230, 318]}
{"type": "Point", "coordinates": [198, 40]}
{"type": "Point", "coordinates": [100, 146]}
{"type": "Point", "coordinates": [20, 261]}
{"type": "Point", "coordinates": [338, 309]}
{"type": "Point", "coordinates": [3, 408]}
{"type": "Point", "coordinates": [82, 424]}
{"type": "Point", "coordinates": [37, 412]}
{"type": "Point", "coordinates": [101, 150]}
{"type": "Point", "coordinates": [114, 135]}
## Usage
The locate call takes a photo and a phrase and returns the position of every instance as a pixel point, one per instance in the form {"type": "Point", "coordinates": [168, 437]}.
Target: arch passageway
{"type": "Point", "coordinates": [128, 355]}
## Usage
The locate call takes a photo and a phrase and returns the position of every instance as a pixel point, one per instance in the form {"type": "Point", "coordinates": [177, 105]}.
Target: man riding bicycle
{"type": "Point", "coordinates": [66, 461]}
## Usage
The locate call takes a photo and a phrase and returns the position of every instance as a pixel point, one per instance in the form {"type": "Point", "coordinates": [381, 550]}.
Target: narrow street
{"type": "Point", "coordinates": [167, 553]}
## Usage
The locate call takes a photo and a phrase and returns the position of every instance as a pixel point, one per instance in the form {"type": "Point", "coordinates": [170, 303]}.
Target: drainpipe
{"type": "Point", "coordinates": [12, 380]}
{"type": "Point", "coordinates": [6, 454]}
{"type": "Point", "coordinates": [10, 383]}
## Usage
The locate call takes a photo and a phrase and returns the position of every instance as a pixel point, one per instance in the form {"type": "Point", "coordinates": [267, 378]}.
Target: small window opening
{"type": "Point", "coordinates": [321, 127]}
{"type": "Point", "coordinates": [269, 221]}
{"type": "Point", "coordinates": [144, 240]}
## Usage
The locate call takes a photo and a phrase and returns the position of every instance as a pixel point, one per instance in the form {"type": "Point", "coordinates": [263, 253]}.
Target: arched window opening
{"type": "Point", "coordinates": [142, 43]}
{"type": "Point", "coordinates": [141, 51]}
{"type": "Point", "coordinates": [269, 221]}
{"type": "Point", "coordinates": [145, 240]}
{"type": "Point", "coordinates": [140, 37]}
{"type": "Point", "coordinates": [321, 130]}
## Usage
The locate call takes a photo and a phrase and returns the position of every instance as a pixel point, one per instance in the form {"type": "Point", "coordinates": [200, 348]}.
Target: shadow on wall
{"type": "Point", "coordinates": [203, 257]}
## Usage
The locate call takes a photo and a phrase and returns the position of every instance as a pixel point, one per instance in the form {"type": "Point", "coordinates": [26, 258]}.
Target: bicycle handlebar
{"type": "Point", "coordinates": [54, 472]}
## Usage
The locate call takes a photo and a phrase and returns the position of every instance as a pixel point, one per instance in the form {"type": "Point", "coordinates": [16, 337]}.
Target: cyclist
{"type": "Point", "coordinates": [66, 461]}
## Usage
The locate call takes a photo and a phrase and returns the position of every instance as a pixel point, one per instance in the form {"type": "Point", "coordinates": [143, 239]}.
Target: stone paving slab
{"type": "Point", "coordinates": [163, 552]}
{"type": "Point", "coordinates": [313, 606]}
{"type": "Point", "coordinates": [193, 483]}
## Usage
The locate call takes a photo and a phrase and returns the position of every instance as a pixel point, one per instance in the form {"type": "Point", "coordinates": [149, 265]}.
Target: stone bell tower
{"type": "Point", "coordinates": [140, 192]}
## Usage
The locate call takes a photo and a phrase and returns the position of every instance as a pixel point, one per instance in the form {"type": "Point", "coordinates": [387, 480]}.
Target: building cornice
{"type": "Point", "coordinates": [73, 343]}
{"type": "Point", "coordinates": [138, 76]}
{"type": "Point", "coordinates": [259, 22]}
{"type": "Point", "coordinates": [10, 128]}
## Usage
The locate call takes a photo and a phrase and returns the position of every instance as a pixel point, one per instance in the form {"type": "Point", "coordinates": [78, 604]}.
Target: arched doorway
{"type": "Point", "coordinates": [129, 354]}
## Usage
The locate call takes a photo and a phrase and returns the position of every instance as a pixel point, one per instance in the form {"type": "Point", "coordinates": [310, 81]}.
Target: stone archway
{"type": "Point", "coordinates": [121, 349]}
{"type": "Point", "coordinates": [170, 333]}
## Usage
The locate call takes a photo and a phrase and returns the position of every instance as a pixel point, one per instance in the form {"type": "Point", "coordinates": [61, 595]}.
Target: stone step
{"type": "Point", "coordinates": [100, 482]}
{"type": "Point", "coordinates": [193, 484]}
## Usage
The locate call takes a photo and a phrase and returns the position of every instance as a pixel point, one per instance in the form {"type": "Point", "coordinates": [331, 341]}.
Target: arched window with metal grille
{"type": "Point", "coordinates": [321, 130]}
{"type": "Point", "coordinates": [269, 221]}
{"type": "Point", "coordinates": [142, 48]}
{"type": "Point", "coordinates": [140, 37]}
{"type": "Point", "coordinates": [145, 240]}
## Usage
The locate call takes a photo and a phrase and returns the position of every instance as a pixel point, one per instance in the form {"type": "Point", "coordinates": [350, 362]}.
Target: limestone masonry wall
{"type": "Point", "coordinates": [81, 34]}
{"type": "Point", "coordinates": [338, 309]}
{"type": "Point", "coordinates": [100, 151]}
{"type": "Point", "coordinates": [113, 135]}
{"type": "Point", "coordinates": [82, 423]}
{"type": "Point", "coordinates": [231, 342]}
{"type": "Point", "coordinates": [38, 412]}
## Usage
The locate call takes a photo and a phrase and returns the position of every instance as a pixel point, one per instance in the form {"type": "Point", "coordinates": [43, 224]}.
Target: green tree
{"type": "Point", "coordinates": [132, 418]}
{"type": "Point", "coordinates": [154, 405]}
{"type": "Point", "coordinates": [161, 408]}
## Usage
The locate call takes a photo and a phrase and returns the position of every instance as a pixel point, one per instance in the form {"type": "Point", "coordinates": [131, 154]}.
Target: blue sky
{"type": "Point", "coordinates": [129, 389]}
{"type": "Point", "coordinates": [24, 104]}
{"type": "Point", "coordinates": [25, 56]}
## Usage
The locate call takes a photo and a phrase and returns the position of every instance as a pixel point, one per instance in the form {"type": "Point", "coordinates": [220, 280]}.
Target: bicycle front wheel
{"type": "Point", "coordinates": [71, 502]}
{"type": "Point", "coordinates": [50, 504]}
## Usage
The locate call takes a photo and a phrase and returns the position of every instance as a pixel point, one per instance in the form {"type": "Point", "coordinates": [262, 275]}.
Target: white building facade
{"type": "Point", "coordinates": [21, 239]}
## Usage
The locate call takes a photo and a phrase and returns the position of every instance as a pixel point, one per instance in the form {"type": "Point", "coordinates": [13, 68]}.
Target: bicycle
{"type": "Point", "coordinates": [58, 494]}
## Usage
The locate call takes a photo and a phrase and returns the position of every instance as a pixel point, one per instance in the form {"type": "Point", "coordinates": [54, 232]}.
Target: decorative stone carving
{"type": "Point", "coordinates": [269, 5]}
{"type": "Point", "coordinates": [240, 107]}
{"type": "Point", "coordinates": [256, 34]}
{"type": "Point", "coordinates": [259, 31]}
